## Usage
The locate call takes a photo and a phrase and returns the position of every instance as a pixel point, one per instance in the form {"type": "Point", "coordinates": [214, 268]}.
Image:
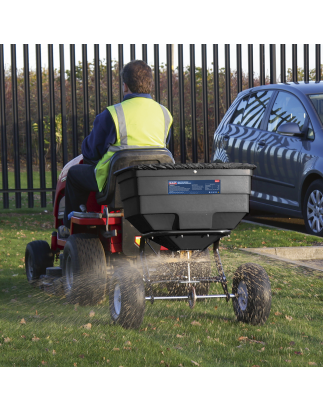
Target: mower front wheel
{"type": "Point", "coordinates": [38, 257]}
{"type": "Point", "coordinates": [127, 297]}
{"type": "Point", "coordinates": [84, 269]}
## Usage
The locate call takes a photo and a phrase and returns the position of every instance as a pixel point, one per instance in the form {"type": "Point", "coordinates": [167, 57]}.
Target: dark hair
{"type": "Point", "coordinates": [138, 76]}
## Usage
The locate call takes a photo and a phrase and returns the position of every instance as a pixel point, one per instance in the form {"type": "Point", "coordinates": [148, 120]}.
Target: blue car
{"type": "Point", "coordinates": [279, 128]}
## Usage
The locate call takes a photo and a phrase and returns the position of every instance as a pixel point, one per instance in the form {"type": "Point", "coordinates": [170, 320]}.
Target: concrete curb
{"type": "Point", "coordinates": [292, 255]}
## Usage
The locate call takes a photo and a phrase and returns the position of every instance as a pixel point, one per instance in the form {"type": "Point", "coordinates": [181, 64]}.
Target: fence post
{"type": "Point", "coordinates": [170, 91]}
{"type": "Point", "coordinates": [282, 63]}
{"type": "Point", "coordinates": [250, 65]}
{"type": "Point", "coordinates": [28, 128]}
{"type": "Point", "coordinates": [273, 64]}
{"type": "Point", "coordinates": [205, 105]}
{"type": "Point", "coordinates": [193, 103]}
{"type": "Point", "coordinates": [15, 123]}
{"type": "Point", "coordinates": [40, 126]}
{"type": "Point", "coordinates": [52, 118]}
{"type": "Point", "coordinates": [3, 130]}
{"type": "Point", "coordinates": [262, 64]}
{"type": "Point", "coordinates": [318, 62]}
{"type": "Point", "coordinates": [181, 103]}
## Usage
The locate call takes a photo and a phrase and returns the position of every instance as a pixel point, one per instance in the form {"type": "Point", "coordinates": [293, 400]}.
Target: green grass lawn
{"type": "Point", "coordinates": [40, 329]}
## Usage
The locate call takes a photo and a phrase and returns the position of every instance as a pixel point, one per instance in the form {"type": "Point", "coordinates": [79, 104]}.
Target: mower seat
{"type": "Point", "coordinates": [110, 195]}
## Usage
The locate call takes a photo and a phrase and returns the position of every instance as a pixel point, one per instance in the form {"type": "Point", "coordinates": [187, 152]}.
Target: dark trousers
{"type": "Point", "coordinates": [79, 183]}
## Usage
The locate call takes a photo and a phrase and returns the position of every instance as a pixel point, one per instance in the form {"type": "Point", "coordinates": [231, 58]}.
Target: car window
{"type": "Point", "coordinates": [286, 109]}
{"type": "Point", "coordinates": [237, 116]}
{"type": "Point", "coordinates": [317, 101]}
{"type": "Point", "coordinates": [255, 109]}
{"type": "Point", "coordinates": [310, 131]}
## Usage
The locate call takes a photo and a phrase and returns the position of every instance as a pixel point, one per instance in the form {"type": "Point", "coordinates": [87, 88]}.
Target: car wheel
{"type": "Point", "coordinates": [313, 208]}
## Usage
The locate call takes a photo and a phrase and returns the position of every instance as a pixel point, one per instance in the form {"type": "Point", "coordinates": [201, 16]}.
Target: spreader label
{"type": "Point", "coordinates": [194, 186]}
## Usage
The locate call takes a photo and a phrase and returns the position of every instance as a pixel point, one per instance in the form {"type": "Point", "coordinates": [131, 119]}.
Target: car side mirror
{"type": "Point", "coordinates": [290, 129]}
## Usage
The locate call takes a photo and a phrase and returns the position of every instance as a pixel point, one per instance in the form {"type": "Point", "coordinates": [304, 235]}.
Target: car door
{"type": "Point", "coordinates": [244, 128]}
{"type": "Point", "coordinates": [277, 156]}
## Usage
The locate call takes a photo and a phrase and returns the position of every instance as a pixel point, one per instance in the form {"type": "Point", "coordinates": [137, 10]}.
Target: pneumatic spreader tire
{"type": "Point", "coordinates": [38, 257]}
{"type": "Point", "coordinates": [252, 286]}
{"type": "Point", "coordinates": [127, 297]}
{"type": "Point", "coordinates": [84, 269]}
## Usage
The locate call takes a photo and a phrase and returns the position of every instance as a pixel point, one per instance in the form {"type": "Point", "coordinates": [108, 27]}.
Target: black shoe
{"type": "Point", "coordinates": [63, 232]}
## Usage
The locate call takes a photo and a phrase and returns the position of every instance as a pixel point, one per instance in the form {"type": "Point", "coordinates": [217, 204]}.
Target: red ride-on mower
{"type": "Point", "coordinates": [150, 228]}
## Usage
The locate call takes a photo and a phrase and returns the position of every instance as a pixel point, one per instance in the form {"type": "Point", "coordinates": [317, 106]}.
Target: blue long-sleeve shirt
{"type": "Point", "coordinates": [103, 134]}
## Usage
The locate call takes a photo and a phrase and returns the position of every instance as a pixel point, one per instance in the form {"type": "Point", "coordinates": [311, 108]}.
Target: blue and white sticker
{"type": "Point", "coordinates": [194, 186]}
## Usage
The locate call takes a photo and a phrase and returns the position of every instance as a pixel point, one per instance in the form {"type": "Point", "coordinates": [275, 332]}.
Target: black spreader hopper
{"type": "Point", "coordinates": [185, 206]}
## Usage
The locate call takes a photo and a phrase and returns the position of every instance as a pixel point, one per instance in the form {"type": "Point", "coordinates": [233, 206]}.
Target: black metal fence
{"type": "Point", "coordinates": [197, 103]}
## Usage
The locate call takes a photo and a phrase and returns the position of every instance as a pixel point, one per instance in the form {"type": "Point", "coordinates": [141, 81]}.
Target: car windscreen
{"type": "Point", "coordinates": [317, 101]}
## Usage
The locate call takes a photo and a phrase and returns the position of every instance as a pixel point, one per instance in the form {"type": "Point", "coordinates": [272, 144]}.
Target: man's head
{"type": "Point", "coordinates": [137, 76]}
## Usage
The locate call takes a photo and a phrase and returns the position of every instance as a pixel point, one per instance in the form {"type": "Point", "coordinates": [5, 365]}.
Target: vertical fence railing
{"type": "Point", "coordinates": [250, 65]}
{"type": "Point", "coordinates": [216, 86]}
{"type": "Point", "coordinates": [4, 155]}
{"type": "Point", "coordinates": [181, 104]}
{"type": "Point", "coordinates": [52, 117]}
{"type": "Point", "coordinates": [317, 62]}
{"type": "Point", "coordinates": [272, 53]}
{"type": "Point", "coordinates": [109, 75]}
{"type": "Point", "coordinates": [262, 72]}
{"type": "Point", "coordinates": [15, 124]}
{"type": "Point", "coordinates": [195, 89]}
{"type": "Point", "coordinates": [73, 98]}
{"type": "Point", "coordinates": [156, 72]}
{"type": "Point", "coordinates": [170, 62]}
{"type": "Point", "coordinates": [40, 122]}
{"type": "Point", "coordinates": [63, 102]}
{"type": "Point", "coordinates": [120, 58]}
{"type": "Point", "coordinates": [97, 79]}
{"type": "Point", "coordinates": [294, 63]}
{"type": "Point", "coordinates": [306, 63]}
{"type": "Point", "coordinates": [86, 120]}
{"type": "Point", "coordinates": [205, 106]}
{"type": "Point", "coordinates": [29, 159]}
{"type": "Point", "coordinates": [282, 63]}
{"type": "Point", "coordinates": [193, 103]}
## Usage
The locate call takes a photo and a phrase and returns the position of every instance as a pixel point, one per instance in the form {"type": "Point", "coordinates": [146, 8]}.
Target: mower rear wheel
{"type": "Point", "coordinates": [127, 297]}
{"type": "Point", "coordinates": [38, 257]}
{"type": "Point", "coordinates": [251, 284]}
{"type": "Point", "coordinates": [84, 269]}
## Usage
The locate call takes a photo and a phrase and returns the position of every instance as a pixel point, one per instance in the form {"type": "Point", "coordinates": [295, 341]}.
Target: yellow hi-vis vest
{"type": "Point", "coordinates": [140, 123]}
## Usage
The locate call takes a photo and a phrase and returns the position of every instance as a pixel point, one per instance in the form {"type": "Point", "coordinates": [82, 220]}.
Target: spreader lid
{"type": "Point", "coordinates": [190, 166]}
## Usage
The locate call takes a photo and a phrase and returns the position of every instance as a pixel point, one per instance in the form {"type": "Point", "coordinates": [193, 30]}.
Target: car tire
{"type": "Point", "coordinates": [84, 269]}
{"type": "Point", "coordinates": [251, 284]}
{"type": "Point", "coordinates": [313, 208]}
{"type": "Point", "coordinates": [38, 257]}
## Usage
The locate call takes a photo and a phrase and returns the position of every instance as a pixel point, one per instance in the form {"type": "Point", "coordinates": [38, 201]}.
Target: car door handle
{"type": "Point", "coordinates": [262, 143]}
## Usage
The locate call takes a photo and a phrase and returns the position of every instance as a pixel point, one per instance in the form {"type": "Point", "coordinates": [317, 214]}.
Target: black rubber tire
{"type": "Point", "coordinates": [254, 280]}
{"type": "Point", "coordinates": [38, 256]}
{"type": "Point", "coordinates": [129, 284]}
{"type": "Point", "coordinates": [84, 269]}
{"type": "Point", "coordinates": [317, 185]}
